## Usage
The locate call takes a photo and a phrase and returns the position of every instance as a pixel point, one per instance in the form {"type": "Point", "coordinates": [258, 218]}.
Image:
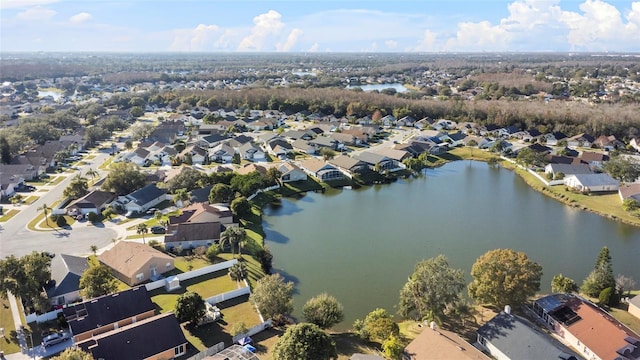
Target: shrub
{"type": "Point", "coordinates": [630, 204]}
{"type": "Point", "coordinates": [212, 253]}
{"type": "Point", "coordinates": [608, 297]}
{"type": "Point", "coordinates": [61, 221]}
{"type": "Point", "coordinates": [93, 217]}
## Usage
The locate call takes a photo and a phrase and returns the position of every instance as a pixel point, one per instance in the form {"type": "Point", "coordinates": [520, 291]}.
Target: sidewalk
{"type": "Point", "coordinates": [17, 320]}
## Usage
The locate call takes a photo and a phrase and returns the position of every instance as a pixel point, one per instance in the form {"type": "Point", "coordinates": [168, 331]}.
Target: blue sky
{"type": "Point", "coordinates": [320, 26]}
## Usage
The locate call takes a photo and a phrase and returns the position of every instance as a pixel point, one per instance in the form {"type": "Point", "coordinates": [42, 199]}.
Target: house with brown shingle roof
{"type": "Point", "coordinates": [348, 165]}
{"type": "Point", "coordinates": [201, 213]}
{"type": "Point", "coordinates": [438, 344]}
{"type": "Point", "coordinates": [135, 263]}
{"type": "Point", "coordinates": [631, 191]}
{"type": "Point", "coordinates": [192, 235]}
{"type": "Point", "coordinates": [320, 169]}
{"type": "Point", "coordinates": [593, 332]}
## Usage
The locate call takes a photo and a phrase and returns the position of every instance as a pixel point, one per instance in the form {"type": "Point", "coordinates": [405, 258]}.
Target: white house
{"type": "Point", "coordinates": [592, 182]}
{"type": "Point", "coordinates": [143, 199]}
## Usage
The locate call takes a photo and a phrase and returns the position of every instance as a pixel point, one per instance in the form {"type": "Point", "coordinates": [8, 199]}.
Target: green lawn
{"type": "Point", "coordinates": [31, 199]}
{"type": "Point", "coordinates": [106, 164]}
{"type": "Point", "coordinates": [207, 285]}
{"type": "Point", "coordinates": [56, 180]}
{"type": "Point", "coordinates": [9, 343]}
{"type": "Point", "coordinates": [8, 215]}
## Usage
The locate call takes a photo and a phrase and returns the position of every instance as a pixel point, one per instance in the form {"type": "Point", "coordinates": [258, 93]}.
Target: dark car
{"type": "Point", "coordinates": [158, 229]}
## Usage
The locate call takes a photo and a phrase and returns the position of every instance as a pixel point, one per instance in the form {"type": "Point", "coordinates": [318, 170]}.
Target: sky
{"type": "Point", "coordinates": [320, 25]}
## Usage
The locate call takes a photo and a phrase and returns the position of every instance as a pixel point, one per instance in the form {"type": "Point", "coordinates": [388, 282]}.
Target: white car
{"type": "Point", "coordinates": [54, 338]}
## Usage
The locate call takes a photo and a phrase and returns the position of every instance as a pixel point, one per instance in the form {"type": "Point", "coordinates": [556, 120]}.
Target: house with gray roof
{"type": "Point", "coordinates": [592, 182]}
{"type": "Point", "coordinates": [189, 235]}
{"type": "Point", "coordinates": [567, 169]}
{"type": "Point", "coordinates": [348, 165]}
{"type": "Point", "coordinates": [379, 162]}
{"type": "Point", "coordinates": [64, 287]}
{"type": "Point", "coordinates": [143, 199]}
{"type": "Point", "coordinates": [510, 337]}
{"type": "Point", "coordinates": [320, 169]}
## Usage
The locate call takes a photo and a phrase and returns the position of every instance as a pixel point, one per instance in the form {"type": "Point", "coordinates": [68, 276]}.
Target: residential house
{"type": "Point", "coordinates": [64, 286]}
{"type": "Point", "coordinates": [361, 136]}
{"type": "Point", "coordinates": [388, 120]}
{"type": "Point", "coordinates": [239, 140]}
{"type": "Point", "coordinates": [202, 213]}
{"type": "Point", "coordinates": [212, 140]}
{"type": "Point", "coordinates": [109, 312]}
{"type": "Point", "coordinates": [222, 152]}
{"type": "Point", "coordinates": [594, 159]}
{"type": "Point", "coordinates": [250, 152]}
{"type": "Point", "coordinates": [629, 191]}
{"type": "Point", "coordinates": [249, 168]}
{"type": "Point", "coordinates": [406, 121]}
{"type": "Point", "coordinates": [539, 148]}
{"type": "Point", "coordinates": [438, 344]}
{"type": "Point", "coordinates": [303, 146]}
{"type": "Point", "coordinates": [592, 182]}
{"type": "Point", "coordinates": [510, 337]}
{"type": "Point", "coordinates": [143, 199]}
{"type": "Point", "coordinates": [348, 165]}
{"type": "Point", "coordinates": [155, 338]}
{"type": "Point", "coordinates": [454, 139]}
{"type": "Point", "coordinates": [508, 131]}
{"type": "Point", "coordinates": [394, 154]}
{"type": "Point", "coordinates": [580, 140]}
{"type": "Point", "coordinates": [95, 202]}
{"type": "Point", "coordinates": [593, 332]}
{"type": "Point", "coordinates": [635, 143]}
{"type": "Point", "coordinates": [327, 142]}
{"type": "Point", "coordinates": [197, 154]}
{"type": "Point", "coordinates": [190, 235]}
{"type": "Point", "coordinates": [444, 124]}
{"type": "Point", "coordinates": [378, 162]}
{"type": "Point", "coordinates": [345, 139]}
{"type": "Point", "coordinates": [167, 132]}
{"type": "Point", "coordinates": [290, 172]}
{"type": "Point", "coordinates": [634, 306]}
{"type": "Point", "coordinates": [552, 139]}
{"type": "Point", "coordinates": [320, 169]}
{"type": "Point", "coordinates": [134, 263]}
{"type": "Point", "coordinates": [278, 147]}
{"type": "Point", "coordinates": [608, 143]}
{"type": "Point", "coordinates": [479, 141]}
{"type": "Point", "coordinates": [139, 156]}
{"type": "Point", "coordinates": [567, 169]}
{"type": "Point", "coordinates": [298, 135]}
{"type": "Point", "coordinates": [208, 129]}
{"type": "Point", "coordinates": [76, 143]}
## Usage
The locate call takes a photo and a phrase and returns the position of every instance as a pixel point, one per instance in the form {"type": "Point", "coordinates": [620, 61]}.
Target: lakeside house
{"type": "Point", "coordinates": [593, 332]}
{"type": "Point", "coordinates": [592, 182]}
{"type": "Point", "coordinates": [134, 263]}
{"type": "Point", "coordinates": [439, 344]}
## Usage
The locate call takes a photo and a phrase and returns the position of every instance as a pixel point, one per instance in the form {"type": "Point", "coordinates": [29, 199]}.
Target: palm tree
{"type": "Point", "coordinates": [142, 229]}
{"type": "Point", "coordinates": [45, 209]}
{"type": "Point", "coordinates": [232, 235]}
{"type": "Point", "coordinates": [94, 249]}
{"type": "Point", "coordinates": [91, 173]}
{"type": "Point", "coordinates": [181, 195]}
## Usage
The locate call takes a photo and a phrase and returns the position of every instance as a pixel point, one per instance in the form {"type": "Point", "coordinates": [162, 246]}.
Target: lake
{"type": "Point", "coordinates": [361, 245]}
{"type": "Point", "coordinates": [370, 87]}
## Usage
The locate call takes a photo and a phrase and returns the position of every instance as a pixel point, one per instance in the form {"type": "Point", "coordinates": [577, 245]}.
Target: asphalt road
{"type": "Point", "coordinates": [16, 239]}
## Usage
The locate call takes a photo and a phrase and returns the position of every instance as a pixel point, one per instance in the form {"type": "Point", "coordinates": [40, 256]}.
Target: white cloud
{"type": "Point", "coordinates": [391, 44]}
{"type": "Point", "coordinates": [265, 25]}
{"type": "Point", "coordinates": [17, 4]}
{"type": "Point", "coordinates": [427, 43]}
{"type": "Point", "coordinates": [80, 18]}
{"type": "Point", "coordinates": [291, 40]}
{"type": "Point", "coordinates": [201, 38]}
{"type": "Point", "coordinates": [314, 47]}
{"type": "Point", "coordinates": [36, 14]}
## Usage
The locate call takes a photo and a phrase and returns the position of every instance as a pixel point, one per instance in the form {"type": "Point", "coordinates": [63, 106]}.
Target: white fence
{"type": "Point", "coordinates": [254, 330]}
{"type": "Point", "coordinates": [276, 186]}
{"type": "Point", "coordinates": [228, 295]}
{"type": "Point", "coordinates": [208, 352]}
{"type": "Point", "coordinates": [51, 315]}
{"type": "Point", "coordinates": [194, 273]}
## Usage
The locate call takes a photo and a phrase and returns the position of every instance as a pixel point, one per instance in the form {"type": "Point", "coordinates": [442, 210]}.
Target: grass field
{"type": "Point", "coordinates": [9, 343]}
{"type": "Point", "coordinates": [8, 215]}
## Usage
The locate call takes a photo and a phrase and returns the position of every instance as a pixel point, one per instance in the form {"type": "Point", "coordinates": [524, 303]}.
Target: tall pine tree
{"type": "Point", "coordinates": [602, 275]}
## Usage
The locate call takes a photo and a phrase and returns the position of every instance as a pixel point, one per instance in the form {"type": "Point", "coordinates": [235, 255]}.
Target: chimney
{"type": "Point", "coordinates": [507, 309]}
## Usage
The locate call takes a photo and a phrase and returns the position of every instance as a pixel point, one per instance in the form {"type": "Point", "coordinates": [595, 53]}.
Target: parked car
{"type": "Point", "coordinates": [54, 338]}
{"type": "Point", "coordinates": [157, 229]}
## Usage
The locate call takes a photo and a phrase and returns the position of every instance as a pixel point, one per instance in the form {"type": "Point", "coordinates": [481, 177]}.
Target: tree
{"type": "Point", "coordinates": [5, 151]}
{"type": "Point", "coordinates": [123, 178]}
{"type": "Point", "coordinates": [265, 258]}
{"type": "Point", "coordinates": [608, 297]}
{"type": "Point", "coordinates": [239, 328]}
{"type": "Point", "coordinates": [181, 196]}
{"type": "Point", "coordinates": [77, 188]}
{"type": "Point", "coordinates": [212, 253]}
{"type": "Point", "coordinates": [240, 207]}
{"type": "Point", "coordinates": [25, 277]}
{"type": "Point", "coordinates": [190, 307]}
{"type": "Point", "coordinates": [504, 277]}
{"type": "Point", "coordinates": [393, 348]}
{"type": "Point", "coordinates": [73, 353]}
{"type": "Point", "coordinates": [272, 176]}
{"type": "Point", "coordinates": [377, 326]}
{"type": "Point", "coordinates": [188, 179]}
{"type": "Point", "coordinates": [602, 275]}
{"type": "Point", "coordinates": [142, 229]}
{"type": "Point", "coordinates": [624, 283]}
{"type": "Point", "coordinates": [563, 284]}
{"type": "Point", "coordinates": [91, 173]}
{"type": "Point", "coordinates": [45, 209]}
{"type": "Point", "coordinates": [108, 212]}
{"type": "Point", "coordinates": [327, 154]}
{"type": "Point", "coordinates": [232, 235]}
{"type": "Point", "coordinates": [220, 193]}
{"type": "Point", "coordinates": [622, 169]}
{"type": "Point", "coordinates": [94, 249]}
{"type": "Point", "coordinates": [630, 204]}
{"type": "Point", "coordinates": [305, 341]}
{"type": "Point", "coordinates": [97, 281]}
{"type": "Point", "coordinates": [238, 271]}
{"type": "Point", "coordinates": [323, 310]}
{"type": "Point", "coordinates": [432, 286]}
{"type": "Point", "coordinates": [273, 297]}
